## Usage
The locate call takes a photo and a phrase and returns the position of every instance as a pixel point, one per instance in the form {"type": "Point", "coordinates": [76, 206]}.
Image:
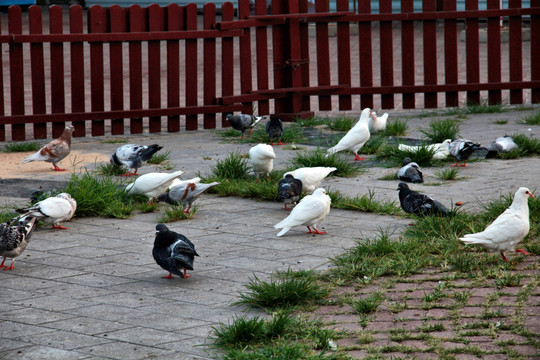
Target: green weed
{"type": "Point", "coordinates": [233, 167]}
{"type": "Point", "coordinates": [109, 169]}
{"type": "Point", "coordinates": [447, 173]}
{"type": "Point", "coordinates": [507, 279]}
{"type": "Point", "coordinates": [175, 213]}
{"type": "Point", "coordinates": [373, 145]}
{"type": "Point", "coordinates": [527, 146]}
{"type": "Point", "coordinates": [423, 156]}
{"type": "Point", "coordinates": [367, 305]}
{"type": "Point", "coordinates": [500, 122]}
{"type": "Point", "coordinates": [396, 127]}
{"type": "Point", "coordinates": [292, 133]}
{"type": "Point", "coordinates": [531, 119]}
{"type": "Point", "coordinates": [441, 129]}
{"type": "Point", "coordinates": [341, 123]}
{"type": "Point", "coordinates": [120, 140]}
{"type": "Point", "coordinates": [159, 158]}
{"type": "Point", "coordinates": [22, 147]}
{"type": "Point", "coordinates": [364, 203]}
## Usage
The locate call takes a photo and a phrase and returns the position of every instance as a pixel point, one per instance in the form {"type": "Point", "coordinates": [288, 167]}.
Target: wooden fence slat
{"type": "Point", "coordinates": [515, 52]}
{"type": "Point", "coordinates": [156, 22]}
{"type": "Point", "coordinates": [58, 97]}
{"type": "Point", "coordinates": [2, 110]}
{"type": "Point", "coordinates": [97, 23]}
{"type": "Point", "coordinates": [227, 63]}
{"type": "Point", "coordinates": [245, 56]}
{"type": "Point", "coordinates": [16, 70]}
{"type": "Point", "coordinates": [323, 55]}
{"type": "Point", "coordinates": [450, 54]}
{"type": "Point", "coordinates": [472, 53]}
{"type": "Point", "coordinates": [494, 53]}
{"type": "Point", "coordinates": [365, 55]}
{"type": "Point", "coordinates": [137, 21]}
{"type": "Point", "coordinates": [293, 69]}
{"type": "Point", "coordinates": [430, 54]}
{"type": "Point", "coordinates": [304, 55]}
{"type": "Point", "coordinates": [407, 54]}
{"type": "Point", "coordinates": [344, 55]}
{"type": "Point", "coordinates": [117, 19]}
{"type": "Point", "coordinates": [37, 69]}
{"type": "Point", "coordinates": [279, 34]}
{"type": "Point", "coordinates": [386, 54]}
{"type": "Point", "coordinates": [191, 66]}
{"type": "Point", "coordinates": [175, 21]}
{"type": "Point", "coordinates": [77, 69]}
{"type": "Point", "coordinates": [263, 106]}
{"type": "Point", "coordinates": [535, 52]}
{"type": "Point", "coordinates": [209, 93]}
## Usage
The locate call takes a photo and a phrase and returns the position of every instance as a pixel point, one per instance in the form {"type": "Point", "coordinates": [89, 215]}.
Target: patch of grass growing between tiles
{"type": "Point", "coordinates": [439, 130]}
{"type": "Point", "coordinates": [22, 147]}
{"type": "Point", "coordinates": [527, 145]}
{"type": "Point", "coordinates": [396, 127]}
{"type": "Point", "coordinates": [176, 213]}
{"type": "Point", "coordinates": [367, 305]}
{"type": "Point", "coordinates": [447, 173]}
{"type": "Point", "coordinates": [319, 157]}
{"type": "Point", "coordinates": [373, 145]}
{"type": "Point", "coordinates": [109, 169]}
{"type": "Point", "coordinates": [341, 123]}
{"type": "Point", "coordinates": [292, 133]}
{"type": "Point", "coordinates": [423, 156]}
{"type": "Point", "coordinates": [364, 203]}
{"type": "Point", "coordinates": [159, 158]}
{"type": "Point", "coordinates": [531, 119]}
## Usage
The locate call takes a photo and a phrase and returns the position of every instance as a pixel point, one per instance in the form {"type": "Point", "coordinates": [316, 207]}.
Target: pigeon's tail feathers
{"type": "Point", "coordinates": [283, 231]}
{"type": "Point", "coordinates": [34, 157]}
{"type": "Point", "coordinates": [471, 239]}
{"type": "Point", "coordinates": [147, 153]}
{"type": "Point", "coordinates": [114, 160]}
{"type": "Point", "coordinates": [257, 119]}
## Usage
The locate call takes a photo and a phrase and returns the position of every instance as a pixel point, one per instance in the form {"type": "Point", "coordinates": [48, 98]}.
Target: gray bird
{"type": "Point", "coordinates": [413, 202]}
{"type": "Point", "coordinates": [502, 144]}
{"type": "Point", "coordinates": [289, 190]}
{"type": "Point", "coordinates": [133, 156]}
{"type": "Point", "coordinates": [185, 193]}
{"type": "Point", "coordinates": [243, 122]}
{"type": "Point", "coordinates": [14, 237]}
{"type": "Point", "coordinates": [461, 150]}
{"type": "Point", "coordinates": [274, 129]}
{"type": "Point", "coordinates": [173, 252]}
{"type": "Point", "coordinates": [410, 172]}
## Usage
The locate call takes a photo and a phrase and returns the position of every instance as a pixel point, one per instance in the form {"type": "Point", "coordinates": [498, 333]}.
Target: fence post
{"type": "Point", "coordinates": [227, 55]}
{"type": "Point", "coordinates": [175, 22]}
{"type": "Point", "coordinates": [16, 70]}
{"type": "Point", "coordinates": [245, 56]}
{"type": "Point", "coordinates": [430, 54]}
{"type": "Point", "coordinates": [472, 53]}
{"type": "Point", "coordinates": [35, 26]}
{"type": "Point", "coordinates": [263, 106]}
{"type": "Point", "coordinates": [515, 52]}
{"type": "Point", "coordinates": [117, 16]}
{"type": "Point", "coordinates": [407, 55]}
{"type": "Point", "coordinates": [344, 56]}
{"type": "Point", "coordinates": [137, 23]}
{"type": "Point", "coordinates": [77, 69]}
{"type": "Point", "coordinates": [365, 49]}
{"type": "Point", "coordinates": [535, 51]}
{"type": "Point", "coordinates": [191, 59]}
{"type": "Point", "coordinates": [450, 54]}
{"type": "Point", "coordinates": [387, 55]}
{"type": "Point", "coordinates": [2, 110]}
{"type": "Point", "coordinates": [58, 100]}
{"type": "Point", "coordinates": [97, 23]}
{"type": "Point", "coordinates": [209, 72]}
{"type": "Point", "coordinates": [494, 52]}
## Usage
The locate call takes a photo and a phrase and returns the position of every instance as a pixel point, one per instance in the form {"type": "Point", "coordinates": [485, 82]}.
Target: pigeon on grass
{"type": "Point", "coordinates": [274, 129]}
{"type": "Point", "coordinates": [311, 177]}
{"type": "Point", "coordinates": [54, 151]}
{"type": "Point", "coordinates": [413, 202]}
{"type": "Point", "coordinates": [243, 122]}
{"type": "Point", "coordinates": [152, 184]}
{"type": "Point", "coordinates": [52, 210]}
{"type": "Point", "coordinates": [133, 156]}
{"type": "Point", "coordinates": [14, 237]}
{"type": "Point", "coordinates": [461, 150]}
{"type": "Point", "coordinates": [262, 159]}
{"type": "Point", "coordinates": [185, 193]}
{"type": "Point", "coordinates": [355, 138]}
{"type": "Point", "coordinates": [502, 144]}
{"type": "Point", "coordinates": [173, 252]}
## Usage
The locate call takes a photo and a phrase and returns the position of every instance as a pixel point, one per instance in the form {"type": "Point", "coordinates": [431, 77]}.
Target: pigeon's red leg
{"type": "Point", "coordinates": [3, 261]}
{"type": "Point", "coordinates": [185, 274]}
{"type": "Point", "coordinates": [280, 143]}
{"type": "Point", "coordinates": [187, 210]}
{"type": "Point", "coordinates": [359, 158]}
{"type": "Point", "coordinates": [271, 143]}
{"type": "Point", "coordinates": [56, 168]}
{"type": "Point", "coordinates": [285, 208]}
{"type": "Point", "coordinates": [128, 174]}
{"type": "Point", "coordinates": [59, 227]}
{"type": "Point", "coordinates": [168, 276]}
{"type": "Point", "coordinates": [250, 131]}
{"type": "Point", "coordinates": [523, 252]}
{"type": "Point", "coordinates": [319, 232]}
{"type": "Point", "coordinates": [456, 165]}
{"type": "Point", "coordinates": [242, 136]}
{"type": "Point", "coordinates": [504, 257]}
{"type": "Point", "coordinates": [309, 232]}
{"type": "Point", "coordinates": [11, 267]}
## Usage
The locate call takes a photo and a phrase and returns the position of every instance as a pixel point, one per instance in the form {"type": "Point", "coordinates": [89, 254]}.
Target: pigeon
{"type": "Point", "coordinates": [310, 211]}
{"type": "Point", "coordinates": [262, 159]}
{"type": "Point", "coordinates": [461, 149]}
{"type": "Point", "coordinates": [177, 182]}
{"type": "Point", "coordinates": [52, 210]}
{"type": "Point", "coordinates": [310, 177]}
{"type": "Point", "coordinates": [185, 193]}
{"type": "Point", "coordinates": [274, 129]}
{"type": "Point", "coordinates": [413, 202]}
{"type": "Point", "coordinates": [173, 252]}
{"type": "Point", "coordinates": [289, 190]}
{"type": "Point", "coordinates": [355, 138]}
{"type": "Point", "coordinates": [377, 124]}
{"type": "Point", "coordinates": [508, 229]}
{"type": "Point", "coordinates": [242, 122]}
{"type": "Point", "coordinates": [152, 184]}
{"type": "Point", "coordinates": [502, 144]}
{"type": "Point", "coordinates": [54, 151]}
{"type": "Point", "coordinates": [410, 172]}
{"type": "Point", "coordinates": [14, 237]}
{"type": "Point", "coordinates": [133, 156]}
{"type": "Point", "coordinates": [441, 149]}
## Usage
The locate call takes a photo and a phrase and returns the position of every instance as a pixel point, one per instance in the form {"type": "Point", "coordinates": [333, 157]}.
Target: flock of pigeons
{"type": "Point", "coordinates": [175, 253]}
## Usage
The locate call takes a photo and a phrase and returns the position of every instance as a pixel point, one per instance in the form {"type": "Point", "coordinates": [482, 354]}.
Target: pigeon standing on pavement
{"type": "Point", "coordinates": [262, 159]}
{"type": "Point", "coordinates": [52, 210]}
{"type": "Point", "coordinates": [410, 172]}
{"type": "Point", "coordinates": [55, 150]}
{"type": "Point", "coordinates": [133, 156]}
{"type": "Point", "coordinates": [310, 211]}
{"type": "Point", "coordinates": [185, 193]}
{"type": "Point", "coordinates": [502, 144]}
{"type": "Point", "coordinates": [289, 190]}
{"type": "Point", "coordinates": [243, 122]}
{"type": "Point", "coordinates": [413, 202]}
{"type": "Point", "coordinates": [377, 123]}
{"type": "Point", "coordinates": [508, 229]}
{"type": "Point", "coordinates": [173, 252]}
{"type": "Point", "coordinates": [152, 184]}
{"type": "Point", "coordinates": [310, 177]}
{"type": "Point", "coordinates": [461, 150]}
{"type": "Point", "coordinates": [274, 129]}
{"type": "Point", "coordinates": [14, 237]}
{"type": "Point", "coordinates": [356, 137]}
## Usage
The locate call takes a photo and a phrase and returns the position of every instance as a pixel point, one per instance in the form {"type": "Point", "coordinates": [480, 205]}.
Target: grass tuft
{"type": "Point", "coordinates": [341, 123]}
{"type": "Point", "coordinates": [367, 305]}
{"type": "Point", "coordinates": [109, 169]}
{"type": "Point", "coordinates": [159, 158]}
{"type": "Point", "coordinates": [364, 203]}
{"type": "Point", "coordinates": [447, 174]}
{"type": "Point", "coordinates": [423, 156]}
{"type": "Point", "coordinates": [320, 157]}
{"type": "Point", "coordinates": [527, 146]}
{"type": "Point", "coordinates": [292, 133]}
{"type": "Point", "coordinates": [441, 129]}
{"type": "Point", "coordinates": [22, 147]}
{"type": "Point", "coordinates": [532, 119]}
{"type": "Point", "coordinates": [233, 167]}
{"type": "Point", "coordinates": [175, 213]}
{"type": "Point", "coordinates": [395, 127]}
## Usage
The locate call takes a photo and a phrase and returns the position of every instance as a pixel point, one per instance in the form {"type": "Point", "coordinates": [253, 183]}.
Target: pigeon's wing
{"type": "Point", "coordinates": [355, 136]}
{"type": "Point", "coordinates": [308, 209]}
{"type": "Point", "coordinates": [55, 207]}
{"type": "Point", "coordinates": [184, 245]}
{"type": "Point", "coordinates": [509, 225]}
{"type": "Point", "coordinates": [58, 149]}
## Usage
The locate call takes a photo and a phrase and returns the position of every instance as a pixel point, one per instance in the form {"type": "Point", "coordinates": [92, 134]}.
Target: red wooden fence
{"type": "Point", "coordinates": [157, 63]}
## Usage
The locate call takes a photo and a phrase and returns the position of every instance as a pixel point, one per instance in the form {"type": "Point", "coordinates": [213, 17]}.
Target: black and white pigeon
{"type": "Point", "coordinates": [133, 156]}
{"type": "Point", "coordinates": [461, 149]}
{"type": "Point", "coordinates": [410, 172]}
{"type": "Point", "coordinates": [274, 129]}
{"type": "Point", "coordinates": [502, 144]}
{"type": "Point", "coordinates": [173, 252]}
{"type": "Point", "coordinates": [14, 237]}
{"type": "Point", "coordinates": [243, 122]}
{"type": "Point", "coordinates": [53, 210]}
{"type": "Point", "coordinates": [185, 193]}
{"type": "Point", "coordinates": [289, 190]}
{"type": "Point", "coordinates": [413, 202]}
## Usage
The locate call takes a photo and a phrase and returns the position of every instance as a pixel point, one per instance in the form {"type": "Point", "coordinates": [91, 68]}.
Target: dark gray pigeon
{"type": "Point", "coordinates": [133, 156]}
{"type": "Point", "coordinates": [502, 144]}
{"type": "Point", "coordinates": [173, 252]}
{"type": "Point", "coordinates": [410, 172]}
{"type": "Point", "coordinates": [289, 190]}
{"type": "Point", "coordinates": [243, 122]}
{"type": "Point", "coordinates": [413, 202]}
{"type": "Point", "coordinates": [461, 150]}
{"type": "Point", "coordinates": [14, 237]}
{"type": "Point", "coordinates": [274, 129]}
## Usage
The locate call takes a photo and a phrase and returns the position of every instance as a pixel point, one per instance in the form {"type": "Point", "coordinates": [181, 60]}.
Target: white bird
{"type": "Point", "coordinates": [55, 150]}
{"type": "Point", "coordinates": [152, 184]}
{"type": "Point", "coordinates": [133, 156]}
{"type": "Point", "coordinates": [441, 149]}
{"type": "Point", "coordinates": [377, 123]}
{"type": "Point", "coordinates": [310, 211]}
{"type": "Point", "coordinates": [355, 138]}
{"type": "Point", "coordinates": [507, 230]}
{"type": "Point", "coordinates": [52, 210]}
{"type": "Point", "coordinates": [262, 159]}
{"type": "Point", "coordinates": [310, 177]}
{"type": "Point", "coordinates": [185, 193]}
{"type": "Point", "coordinates": [177, 182]}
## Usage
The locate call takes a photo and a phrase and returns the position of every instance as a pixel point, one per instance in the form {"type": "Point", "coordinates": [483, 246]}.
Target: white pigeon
{"type": "Point", "coordinates": [185, 193]}
{"type": "Point", "coordinates": [55, 150]}
{"type": "Point", "coordinates": [507, 230]}
{"type": "Point", "coordinates": [311, 177]}
{"type": "Point", "coordinates": [441, 149]}
{"type": "Point", "coordinates": [355, 138]}
{"type": "Point", "coordinates": [152, 184]}
{"type": "Point", "coordinates": [52, 210]}
{"type": "Point", "coordinates": [262, 159]}
{"type": "Point", "coordinates": [377, 123]}
{"type": "Point", "coordinates": [310, 211]}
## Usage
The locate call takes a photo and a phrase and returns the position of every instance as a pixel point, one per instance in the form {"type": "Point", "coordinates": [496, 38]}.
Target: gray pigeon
{"type": "Point", "coordinates": [243, 122]}
{"type": "Point", "coordinates": [185, 193]}
{"type": "Point", "coordinates": [133, 156]}
{"type": "Point", "coordinates": [502, 144]}
{"type": "Point", "coordinates": [14, 237]}
{"type": "Point", "coordinates": [173, 252]}
{"type": "Point", "coordinates": [289, 190]}
{"type": "Point", "coordinates": [413, 202]}
{"type": "Point", "coordinates": [461, 150]}
{"type": "Point", "coordinates": [274, 129]}
{"type": "Point", "coordinates": [410, 172]}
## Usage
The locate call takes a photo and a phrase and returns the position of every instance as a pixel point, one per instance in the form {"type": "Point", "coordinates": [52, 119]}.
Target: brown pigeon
{"type": "Point", "coordinates": [54, 151]}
